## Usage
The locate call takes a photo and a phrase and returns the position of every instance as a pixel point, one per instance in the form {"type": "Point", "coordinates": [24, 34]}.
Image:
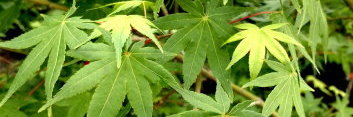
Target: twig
{"type": "Point", "coordinates": [349, 88]}
{"type": "Point", "coordinates": [36, 88]}
{"type": "Point", "coordinates": [5, 60]}
{"type": "Point", "coordinates": [198, 84]}
{"type": "Point", "coordinates": [49, 4]}
{"type": "Point", "coordinates": [164, 98]}
{"type": "Point", "coordinates": [253, 15]}
{"type": "Point", "coordinates": [164, 10]}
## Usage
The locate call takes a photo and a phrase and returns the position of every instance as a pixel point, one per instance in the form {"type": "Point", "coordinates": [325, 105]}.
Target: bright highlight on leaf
{"type": "Point", "coordinates": [255, 41]}
{"type": "Point", "coordinates": [121, 26]}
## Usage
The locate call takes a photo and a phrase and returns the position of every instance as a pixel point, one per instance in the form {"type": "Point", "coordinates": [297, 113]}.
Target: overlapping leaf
{"type": "Point", "coordinates": [121, 27]}
{"type": "Point", "coordinates": [144, 4]}
{"type": "Point", "coordinates": [211, 107]}
{"type": "Point", "coordinates": [286, 94]}
{"type": "Point", "coordinates": [255, 41]}
{"type": "Point", "coordinates": [318, 31]}
{"type": "Point", "coordinates": [50, 39]}
{"type": "Point", "coordinates": [132, 79]}
{"type": "Point", "coordinates": [201, 32]}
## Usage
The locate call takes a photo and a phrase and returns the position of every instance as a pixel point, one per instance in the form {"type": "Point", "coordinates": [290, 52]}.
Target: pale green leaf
{"type": "Point", "coordinates": [28, 39]}
{"type": "Point", "coordinates": [139, 92]}
{"type": "Point", "coordinates": [298, 104]}
{"type": "Point", "coordinates": [152, 53]}
{"type": "Point", "coordinates": [257, 40]}
{"type": "Point", "coordinates": [239, 52]}
{"type": "Point", "coordinates": [267, 80]}
{"type": "Point", "coordinates": [256, 58]}
{"type": "Point", "coordinates": [124, 5]}
{"type": "Point", "coordinates": [246, 26]}
{"type": "Point", "coordinates": [158, 70]}
{"type": "Point", "coordinates": [222, 98]}
{"type": "Point", "coordinates": [143, 26]}
{"type": "Point", "coordinates": [286, 104]}
{"type": "Point", "coordinates": [201, 101]}
{"type": "Point", "coordinates": [236, 37]}
{"type": "Point", "coordinates": [29, 66]}
{"type": "Point", "coordinates": [275, 98]}
{"type": "Point", "coordinates": [51, 39]}
{"type": "Point", "coordinates": [280, 67]}
{"type": "Point", "coordinates": [284, 38]}
{"type": "Point", "coordinates": [218, 58]}
{"type": "Point", "coordinates": [195, 57]}
{"type": "Point", "coordinates": [92, 51]}
{"type": "Point", "coordinates": [249, 113]}
{"type": "Point", "coordinates": [275, 48]}
{"type": "Point", "coordinates": [240, 107]}
{"type": "Point", "coordinates": [85, 79]}
{"type": "Point", "coordinates": [108, 96]}
{"type": "Point", "coordinates": [55, 64]}
{"type": "Point", "coordinates": [121, 26]}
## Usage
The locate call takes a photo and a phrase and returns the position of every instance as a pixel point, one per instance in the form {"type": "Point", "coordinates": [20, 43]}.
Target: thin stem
{"type": "Point", "coordinates": [30, 93]}
{"type": "Point", "coordinates": [5, 60]}
{"type": "Point", "coordinates": [198, 84]}
{"type": "Point", "coordinates": [164, 10]}
{"type": "Point", "coordinates": [49, 4]}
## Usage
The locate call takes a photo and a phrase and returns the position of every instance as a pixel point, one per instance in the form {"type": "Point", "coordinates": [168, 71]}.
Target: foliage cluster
{"type": "Point", "coordinates": [139, 54]}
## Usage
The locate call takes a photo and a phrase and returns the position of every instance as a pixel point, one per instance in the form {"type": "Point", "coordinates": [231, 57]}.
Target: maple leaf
{"type": "Point", "coordinates": [286, 93]}
{"type": "Point", "coordinates": [211, 108]}
{"type": "Point", "coordinates": [120, 27]}
{"type": "Point", "coordinates": [50, 39]}
{"type": "Point", "coordinates": [126, 5]}
{"type": "Point", "coordinates": [201, 32]}
{"type": "Point", "coordinates": [131, 79]}
{"type": "Point", "coordinates": [255, 41]}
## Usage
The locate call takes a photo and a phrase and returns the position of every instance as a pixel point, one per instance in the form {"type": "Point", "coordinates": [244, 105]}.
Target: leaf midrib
{"type": "Point", "coordinates": [110, 92]}
{"type": "Point", "coordinates": [138, 87]}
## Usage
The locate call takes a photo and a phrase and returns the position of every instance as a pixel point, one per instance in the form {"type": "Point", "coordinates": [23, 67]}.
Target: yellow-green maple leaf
{"type": "Point", "coordinates": [256, 40]}
{"type": "Point", "coordinates": [120, 27]}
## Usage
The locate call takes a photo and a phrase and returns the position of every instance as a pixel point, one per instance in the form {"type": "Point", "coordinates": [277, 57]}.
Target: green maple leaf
{"type": "Point", "coordinates": [126, 5]}
{"type": "Point", "coordinates": [132, 78]}
{"type": "Point", "coordinates": [120, 27]}
{"type": "Point", "coordinates": [201, 33]}
{"type": "Point", "coordinates": [286, 94]}
{"type": "Point", "coordinates": [212, 108]}
{"type": "Point", "coordinates": [255, 41]}
{"type": "Point", "coordinates": [50, 39]}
